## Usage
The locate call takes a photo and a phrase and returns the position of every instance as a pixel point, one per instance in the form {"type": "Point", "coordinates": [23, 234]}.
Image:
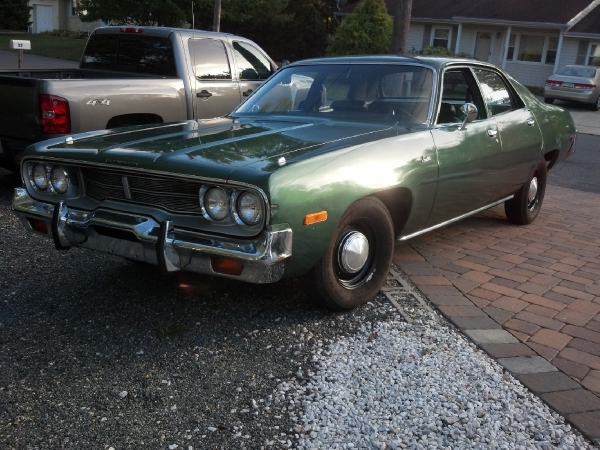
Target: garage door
{"type": "Point", "coordinates": [42, 18]}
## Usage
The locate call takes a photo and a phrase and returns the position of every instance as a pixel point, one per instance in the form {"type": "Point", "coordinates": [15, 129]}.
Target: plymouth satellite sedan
{"type": "Point", "coordinates": [316, 174]}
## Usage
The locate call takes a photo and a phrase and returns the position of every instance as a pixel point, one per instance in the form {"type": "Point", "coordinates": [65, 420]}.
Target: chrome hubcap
{"type": "Point", "coordinates": [532, 194]}
{"type": "Point", "coordinates": [353, 252]}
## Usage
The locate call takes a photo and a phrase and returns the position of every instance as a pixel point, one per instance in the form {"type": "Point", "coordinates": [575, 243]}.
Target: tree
{"type": "Point", "coordinates": [368, 30]}
{"type": "Point", "coordinates": [171, 13]}
{"type": "Point", "coordinates": [401, 25]}
{"type": "Point", "coordinates": [14, 15]}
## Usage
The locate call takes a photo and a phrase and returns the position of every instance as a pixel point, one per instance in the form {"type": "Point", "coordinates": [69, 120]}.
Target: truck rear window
{"type": "Point", "coordinates": [134, 54]}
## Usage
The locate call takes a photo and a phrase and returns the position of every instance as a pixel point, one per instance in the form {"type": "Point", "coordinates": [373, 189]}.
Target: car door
{"type": "Point", "coordinates": [215, 91]}
{"type": "Point", "coordinates": [520, 134]}
{"type": "Point", "coordinates": [469, 157]}
{"type": "Point", "coordinates": [253, 67]}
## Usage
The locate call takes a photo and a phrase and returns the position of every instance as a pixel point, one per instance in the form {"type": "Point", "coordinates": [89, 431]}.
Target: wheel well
{"type": "Point", "coordinates": [551, 157]}
{"type": "Point", "coordinates": [398, 202]}
{"type": "Point", "coordinates": [133, 119]}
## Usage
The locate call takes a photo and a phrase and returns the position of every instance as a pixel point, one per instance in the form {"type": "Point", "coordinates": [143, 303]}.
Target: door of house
{"type": "Point", "coordinates": [42, 18]}
{"type": "Point", "coordinates": [483, 46]}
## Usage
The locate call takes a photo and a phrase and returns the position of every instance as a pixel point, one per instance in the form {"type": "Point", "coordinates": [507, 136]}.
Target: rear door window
{"type": "Point", "coordinates": [496, 94]}
{"type": "Point", "coordinates": [209, 59]}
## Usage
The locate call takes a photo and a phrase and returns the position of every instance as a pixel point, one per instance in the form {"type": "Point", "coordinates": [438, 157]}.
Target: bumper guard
{"type": "Point", "coordinates": [141, 238]}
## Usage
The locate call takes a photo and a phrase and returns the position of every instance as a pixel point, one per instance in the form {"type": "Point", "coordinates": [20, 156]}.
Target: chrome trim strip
{"type": "Point", "coordinates": [456, 219]}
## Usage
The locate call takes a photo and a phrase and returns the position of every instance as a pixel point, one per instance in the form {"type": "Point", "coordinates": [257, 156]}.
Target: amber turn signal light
{"type": "Point", "coordinates": [320, 216]}
{"type": "Point", "coordinates": [226, 266]}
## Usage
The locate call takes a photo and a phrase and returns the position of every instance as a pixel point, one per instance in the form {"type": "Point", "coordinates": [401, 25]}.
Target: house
{"type": "Point", "coordinates": [530, 39]}
{"type": "Point", "coordinates": [49, 15]}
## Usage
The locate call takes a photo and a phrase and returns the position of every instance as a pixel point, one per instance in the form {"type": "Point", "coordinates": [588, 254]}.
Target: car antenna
{"type": "Point", "coordinates": [194, 98]}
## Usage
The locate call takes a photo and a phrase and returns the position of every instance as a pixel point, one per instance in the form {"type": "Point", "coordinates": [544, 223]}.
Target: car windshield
{"type": "Point", "coordinates": [363, 92]}
{"type": "Point", "coordinates": [583, 72]}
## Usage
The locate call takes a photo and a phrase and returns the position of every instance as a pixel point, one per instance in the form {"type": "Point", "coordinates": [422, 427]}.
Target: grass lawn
{"type": "Point", "coordinates": [55, 47]}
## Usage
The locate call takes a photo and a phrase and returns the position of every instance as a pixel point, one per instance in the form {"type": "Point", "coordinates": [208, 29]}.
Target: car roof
{"type": "Point", "coordinates": [435, 62]}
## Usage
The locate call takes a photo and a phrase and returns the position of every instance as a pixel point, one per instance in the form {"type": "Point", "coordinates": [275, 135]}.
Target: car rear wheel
{"type": "Point", "coordinates": [548, 100]}
{"type": "Point", "coordinates": [596, 105]}
{"type": "Point", "coordinates": [524, 207]}
{"type": "Point", "coordinates": [357, 260]}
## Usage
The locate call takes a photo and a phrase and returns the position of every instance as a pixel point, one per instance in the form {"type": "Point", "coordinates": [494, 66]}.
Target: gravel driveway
{"type": "Point", "coordinates": [97, 353]}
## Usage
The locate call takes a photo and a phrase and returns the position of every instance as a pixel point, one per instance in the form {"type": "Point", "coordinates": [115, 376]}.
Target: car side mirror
{"type": "Point", "coordinates": [469, 112]}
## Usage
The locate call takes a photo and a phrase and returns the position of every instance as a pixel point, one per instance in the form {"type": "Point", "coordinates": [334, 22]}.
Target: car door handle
{"type": "Point", "coordinates": [204, 94]}
{"type": "Point", "coordinates": [425, 158]}
{"type": "Point", "coordinates": [530, 122]}
{"type": "Point", "coordinates": [492, 133]}
{"type": "Point", "coordinates": [247, 93]}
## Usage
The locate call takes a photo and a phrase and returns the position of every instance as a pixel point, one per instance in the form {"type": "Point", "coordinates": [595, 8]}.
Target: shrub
{"type": "Point", "coordinates": [437, 51]}
{"type": "Point", "coordinates": [368, 30]}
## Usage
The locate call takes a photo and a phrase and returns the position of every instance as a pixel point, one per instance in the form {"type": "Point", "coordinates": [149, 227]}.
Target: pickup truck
{"type": "Point", "coordinates": [129, 76]}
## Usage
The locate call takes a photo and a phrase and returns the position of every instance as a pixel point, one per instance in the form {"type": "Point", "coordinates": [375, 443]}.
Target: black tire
{"type": "Point", "coordinates": [344, 279]}
{"type": "Point", "coordinates": [548, 100]}
{"type": "Point", "coordinates": [524, 207]}
{"type": "Point", "coordinates": [596, 105]}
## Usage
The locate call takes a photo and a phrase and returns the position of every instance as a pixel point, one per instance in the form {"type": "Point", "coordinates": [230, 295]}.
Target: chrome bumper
{"type": "Point", "coordinates": [142, 238]}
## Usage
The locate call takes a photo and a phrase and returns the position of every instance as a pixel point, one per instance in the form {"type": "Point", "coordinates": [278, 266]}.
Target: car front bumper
{"type": "Point", "coordinates": [143, 239]}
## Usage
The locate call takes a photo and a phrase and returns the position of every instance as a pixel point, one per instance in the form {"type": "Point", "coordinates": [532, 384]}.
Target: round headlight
{"type": "Point", "coordinates": [39, 177]}
{"type": "Point", "coordinates": [216, 202]}
{"type": "Point", "coordinates": [59, 180]}
{"type": "Point", "coordinates": [249, 208]}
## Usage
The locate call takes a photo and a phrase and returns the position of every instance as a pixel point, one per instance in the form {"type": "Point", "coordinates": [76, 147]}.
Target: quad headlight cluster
{"type": "Point", "coordinates": [244, 207]}
{"type": "Point", "coordinates": [50, 178]}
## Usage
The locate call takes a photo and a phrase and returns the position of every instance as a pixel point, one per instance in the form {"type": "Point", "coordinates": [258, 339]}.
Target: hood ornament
{"type": "Point", "coordinates": [281, 161]}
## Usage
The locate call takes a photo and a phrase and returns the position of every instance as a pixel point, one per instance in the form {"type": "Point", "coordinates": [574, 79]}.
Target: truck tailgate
{"type": "Point", "coordinates": [19, 108]}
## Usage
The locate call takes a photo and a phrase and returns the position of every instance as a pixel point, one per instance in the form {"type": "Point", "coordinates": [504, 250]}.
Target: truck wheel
{"type": "Point", "coordinates": [524, 207]}
{"type": "Point", "coordinates": [357, 261]}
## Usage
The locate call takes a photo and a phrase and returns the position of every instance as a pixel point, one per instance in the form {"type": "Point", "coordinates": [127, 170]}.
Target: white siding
{"type": "Point", "coordinates": [568, 53]}
{"type": "Point", "coordinates": [415, 37]}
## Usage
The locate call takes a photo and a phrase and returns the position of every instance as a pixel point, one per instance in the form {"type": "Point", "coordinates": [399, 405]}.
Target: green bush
{"type": "Point", "coordinates": [437, 51]}
{"type": "Point", "coordinates": [368, 30]}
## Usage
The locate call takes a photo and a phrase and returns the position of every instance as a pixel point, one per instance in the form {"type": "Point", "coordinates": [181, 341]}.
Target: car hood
{"type": "Point", "coordinates": [215, 148]}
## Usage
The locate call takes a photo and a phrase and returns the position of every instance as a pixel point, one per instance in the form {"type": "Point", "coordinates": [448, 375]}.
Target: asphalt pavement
{"type": "Point", "coordinates": [10, 60]}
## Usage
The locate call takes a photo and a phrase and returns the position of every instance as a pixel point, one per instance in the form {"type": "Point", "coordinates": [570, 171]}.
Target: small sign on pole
{"type": "Point", "coordinates": [20, 45]}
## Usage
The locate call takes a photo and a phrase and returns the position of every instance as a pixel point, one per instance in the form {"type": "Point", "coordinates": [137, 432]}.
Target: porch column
{"type": "Point", "coordinates": [458, 34]}
{"type": "Point", "coordinates": [558, 49]}
{"type": "Point", "coordinates": [506, 42]}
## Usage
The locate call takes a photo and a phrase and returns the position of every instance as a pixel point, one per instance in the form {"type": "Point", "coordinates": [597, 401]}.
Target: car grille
{"type": "Point", "coordinates": [172, 194]}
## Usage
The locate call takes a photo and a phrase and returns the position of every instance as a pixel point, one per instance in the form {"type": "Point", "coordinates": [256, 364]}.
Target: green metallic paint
{"type": "Point", "coordinates": [333, 181]}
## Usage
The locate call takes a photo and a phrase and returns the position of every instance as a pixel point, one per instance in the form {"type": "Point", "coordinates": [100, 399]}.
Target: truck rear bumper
{"type": "Point", "coordinates": [141, 238]}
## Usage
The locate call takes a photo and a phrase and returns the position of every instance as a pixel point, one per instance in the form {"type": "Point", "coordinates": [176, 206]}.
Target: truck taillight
{"type": "Point", "coordinates": [131, 30]}
{"type": "Point", "coordinates": [55, 115]}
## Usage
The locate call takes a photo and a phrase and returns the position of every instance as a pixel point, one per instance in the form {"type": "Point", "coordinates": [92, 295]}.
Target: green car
{"type": "Point", "coordinates": [316, 174]}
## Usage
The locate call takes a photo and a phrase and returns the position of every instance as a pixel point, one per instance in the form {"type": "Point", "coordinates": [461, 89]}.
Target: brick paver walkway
{"type": "Point", "coordinates": [528, 295]}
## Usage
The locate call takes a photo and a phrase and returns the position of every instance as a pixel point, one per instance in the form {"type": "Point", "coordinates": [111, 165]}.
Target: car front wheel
{"type": "Point", "coordinates": [357, 260]}
{"type": "Point", "coordinates": [524, 207]}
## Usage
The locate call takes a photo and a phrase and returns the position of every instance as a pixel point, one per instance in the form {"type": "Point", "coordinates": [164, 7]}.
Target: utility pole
{"type": "Point", "coordinates": [401, 25]}
{"type": "Point", "coordinates": [217, 16]}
